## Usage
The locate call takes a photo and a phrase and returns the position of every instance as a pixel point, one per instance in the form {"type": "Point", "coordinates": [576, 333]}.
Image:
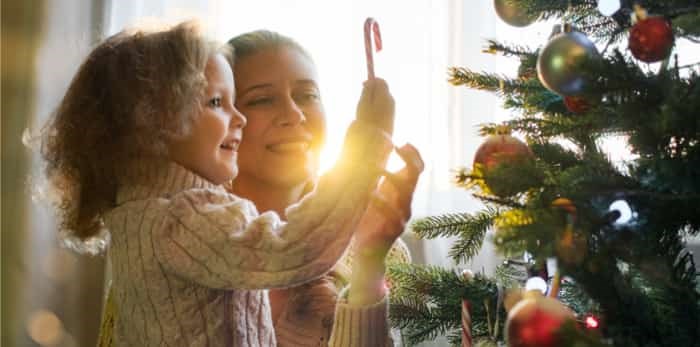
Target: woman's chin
{"type": "Point", "coordinates": [292, 176]}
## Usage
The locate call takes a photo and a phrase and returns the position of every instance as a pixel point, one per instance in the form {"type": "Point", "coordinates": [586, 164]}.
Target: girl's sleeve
{"type": "Point", "coordinates": [218, 240]}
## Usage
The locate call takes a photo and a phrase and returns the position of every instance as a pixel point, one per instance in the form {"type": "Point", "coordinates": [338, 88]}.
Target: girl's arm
{"type": "Point", "coordinates": [218, 240]}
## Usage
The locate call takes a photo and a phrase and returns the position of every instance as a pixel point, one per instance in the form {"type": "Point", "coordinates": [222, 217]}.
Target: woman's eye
{"type": "Point", "coordinates": [215, 102]}
{"type": "Point", "coordinates": [308, 97]}
{"type": "Point", "coordinates": [260, 101]}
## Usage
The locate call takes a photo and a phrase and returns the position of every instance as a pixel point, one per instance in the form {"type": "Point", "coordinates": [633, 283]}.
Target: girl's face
{"type": "Point", "coordinates": [278, 93]}
{"type": "Point", "coordinates": [210, 148]}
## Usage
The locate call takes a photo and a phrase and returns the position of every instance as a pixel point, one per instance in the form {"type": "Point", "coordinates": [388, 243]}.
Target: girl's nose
{"type": "Point", "coordinates": [238, 120]}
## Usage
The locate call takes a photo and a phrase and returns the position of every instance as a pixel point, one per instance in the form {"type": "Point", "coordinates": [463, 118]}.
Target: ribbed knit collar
{"type": "Point", "coordinates": [160, 179]}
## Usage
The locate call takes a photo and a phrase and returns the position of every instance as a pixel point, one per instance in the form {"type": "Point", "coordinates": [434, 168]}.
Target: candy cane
{"type": "Point", "coordinates": [371, 25]}
{"type": "Point", "coordinates": [466, 325]}
{"type": "Point", "coordinates": [556, 284]}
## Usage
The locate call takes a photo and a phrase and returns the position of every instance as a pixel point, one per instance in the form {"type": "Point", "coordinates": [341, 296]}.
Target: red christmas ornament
{"type": "Point", "coordinates": [577, 104]}
{"type": "Point", "coordinates": [500, 148]}
{"type": "Point", "coordinates": [651, 39]}
{"type": "Point", "coordinates": [534, 321]}
{"type": "Point", "coordinates": [496, 150]}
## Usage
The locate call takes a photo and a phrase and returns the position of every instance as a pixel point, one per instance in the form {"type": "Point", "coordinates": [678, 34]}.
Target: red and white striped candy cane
{"type": "Point", "coordinates": [466, 325]}
{"type": "Point", "coordinates": [371, 26]}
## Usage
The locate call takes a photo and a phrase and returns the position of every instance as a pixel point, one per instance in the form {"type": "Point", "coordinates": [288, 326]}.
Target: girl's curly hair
{"type": "Point", "coordinates": [134, 92]}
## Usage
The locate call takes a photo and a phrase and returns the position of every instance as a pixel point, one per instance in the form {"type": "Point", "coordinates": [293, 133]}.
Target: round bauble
{"type": "Point", "coordinates": [513, 13]}
{"type": "Point", "coordinates": [534, 321]}
{"type": "Point", "coordinates": [500, 148]}
{"type": "Point", "coordinates": [560, 63]}
{"type": "Point", "coordinates": [651, 39]}
{"type": "Point", "coordinates": [496, 150]}
{"type": "Point", "coordinates": [578, 104]}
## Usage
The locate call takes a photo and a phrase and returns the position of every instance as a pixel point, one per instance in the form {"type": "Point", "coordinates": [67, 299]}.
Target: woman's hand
{"type": "Point", "coordinates": [380, 226]}
{"type": "Point", "coordinates": [307, 313]}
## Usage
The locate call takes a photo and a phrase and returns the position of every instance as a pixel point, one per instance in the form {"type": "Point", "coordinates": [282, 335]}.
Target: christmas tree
{"type": "Point", "coordinates": [616, 231]}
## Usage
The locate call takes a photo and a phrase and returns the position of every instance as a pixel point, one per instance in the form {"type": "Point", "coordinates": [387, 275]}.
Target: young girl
{"type": "Point", "coordinates": [140, 145]}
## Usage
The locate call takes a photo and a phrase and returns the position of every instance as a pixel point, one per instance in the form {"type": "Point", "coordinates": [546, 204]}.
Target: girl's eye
{"type": "Point", "coordinates": [215, 102]}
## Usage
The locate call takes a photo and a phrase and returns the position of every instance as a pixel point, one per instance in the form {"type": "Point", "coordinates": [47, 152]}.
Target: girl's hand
{"type": "Point", "coordinates": [380, 226]}
{"type": "Point", "coordinates": [376, 105]}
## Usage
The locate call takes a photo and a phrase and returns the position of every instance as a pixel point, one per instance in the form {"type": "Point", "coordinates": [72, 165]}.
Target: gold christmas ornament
{"type": "Point", "coordinates": [513, 13]}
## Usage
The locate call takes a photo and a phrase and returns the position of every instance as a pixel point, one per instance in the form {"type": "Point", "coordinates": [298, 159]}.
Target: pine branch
{"type": "Point", "coordinates": [494, 46]}
{"type": "Point", "coordinates": [471, 230]}
{"type": "Point", "coordinates": [499, 84]}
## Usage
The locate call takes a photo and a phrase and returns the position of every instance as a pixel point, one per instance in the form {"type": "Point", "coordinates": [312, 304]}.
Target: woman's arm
{"type": "Point", "coordinates": [307, 316]}
{"type": "Point", "coordinates": [361, 320]}
{"type": "Point", "coordinates": [381, 225]}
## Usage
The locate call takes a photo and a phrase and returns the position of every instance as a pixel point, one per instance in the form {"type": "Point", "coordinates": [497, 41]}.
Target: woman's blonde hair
{"type": "Point", "coordinates": [133, 93]}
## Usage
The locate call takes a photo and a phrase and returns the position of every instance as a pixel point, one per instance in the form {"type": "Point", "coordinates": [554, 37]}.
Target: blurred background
{"type": "Point", "coordinates": [53, 297]}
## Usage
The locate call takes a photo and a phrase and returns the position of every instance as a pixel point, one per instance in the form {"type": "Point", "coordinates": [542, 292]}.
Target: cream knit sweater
{"type": "Point", "coordinates": [190, 261]}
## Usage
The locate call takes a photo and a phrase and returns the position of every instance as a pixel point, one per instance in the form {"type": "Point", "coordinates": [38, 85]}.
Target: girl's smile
{"type": "Point", "coordinates": [211, 147]}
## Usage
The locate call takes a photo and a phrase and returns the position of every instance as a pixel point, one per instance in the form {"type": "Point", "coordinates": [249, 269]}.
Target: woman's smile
{"type": "Point", "coordinates": [292, 146]}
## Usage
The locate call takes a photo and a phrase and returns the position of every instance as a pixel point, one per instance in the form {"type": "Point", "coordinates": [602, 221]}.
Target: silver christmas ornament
{"type": "Point", "coordinates": [512, 13]}
{"type": "Point", "coordinates": [559, 66]}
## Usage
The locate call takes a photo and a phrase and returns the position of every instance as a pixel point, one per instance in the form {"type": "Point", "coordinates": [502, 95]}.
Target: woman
{"type": "Point", "coordinates": [276, 89]}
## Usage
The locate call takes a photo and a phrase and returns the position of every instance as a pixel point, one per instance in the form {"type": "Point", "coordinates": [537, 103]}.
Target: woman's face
{"type": "Point", "coordinates": [276, 90]}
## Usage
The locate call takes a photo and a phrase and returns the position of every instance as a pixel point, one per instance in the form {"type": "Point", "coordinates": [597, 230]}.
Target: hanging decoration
{"type": "Point", "coordinates": [561, 62]}
{"type": "Point", "coordinates": [651, 38]}
{"type": "Point", "coordinates": [513, 13]}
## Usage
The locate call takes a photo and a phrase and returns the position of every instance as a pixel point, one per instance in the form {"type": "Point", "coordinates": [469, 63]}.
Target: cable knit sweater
{"type": "Point", "coordinates": [190, 260]}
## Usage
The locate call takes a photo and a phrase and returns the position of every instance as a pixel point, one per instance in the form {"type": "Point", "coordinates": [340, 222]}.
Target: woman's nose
{"type": "Point", "coordinates": [292, 114]}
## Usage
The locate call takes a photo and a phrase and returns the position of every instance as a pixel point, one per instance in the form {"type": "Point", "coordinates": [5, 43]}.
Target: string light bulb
{"type": "Point", "coordinates": [536, 283]}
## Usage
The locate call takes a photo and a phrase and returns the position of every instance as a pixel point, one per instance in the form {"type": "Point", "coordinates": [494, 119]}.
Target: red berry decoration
{"type": "Point", "coordinates": [535, 320]}
{"type": "Point", "coordinates": [577, 104]}
{"type": "Point", "coordinates": [651, 39]}
{"type": "Point", "coordinates": [496, 150]}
